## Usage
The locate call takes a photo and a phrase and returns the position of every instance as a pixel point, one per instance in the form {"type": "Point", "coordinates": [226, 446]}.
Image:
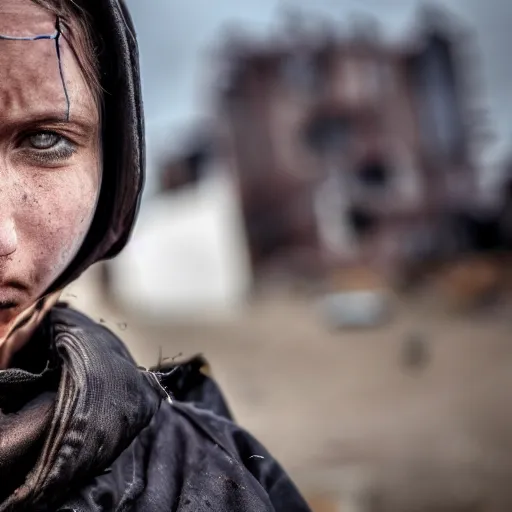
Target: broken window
{"type": "Point", "coordinates": [374, 174]}
{"type": "Point", "coordinates": [361, 221]}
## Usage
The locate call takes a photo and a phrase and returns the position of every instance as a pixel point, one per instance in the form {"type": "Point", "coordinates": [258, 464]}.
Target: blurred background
{"type": "Point", "coordinates": [328, 219]}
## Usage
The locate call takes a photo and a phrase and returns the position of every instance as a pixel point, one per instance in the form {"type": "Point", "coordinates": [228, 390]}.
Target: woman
{"type": "Point", "coordinates": [81, 427]}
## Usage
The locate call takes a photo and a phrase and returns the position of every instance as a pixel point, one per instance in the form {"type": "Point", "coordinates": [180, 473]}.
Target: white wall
{"type": "Point", "coordinates": [188, 255]}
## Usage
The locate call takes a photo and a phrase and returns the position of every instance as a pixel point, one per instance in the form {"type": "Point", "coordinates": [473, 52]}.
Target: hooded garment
{"type": "Point", "coordinates": [82, 428]}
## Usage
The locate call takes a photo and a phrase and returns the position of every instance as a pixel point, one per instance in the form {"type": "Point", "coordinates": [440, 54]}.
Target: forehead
{"type": "Point", "coordinates": [24, 18]}
{"type": "Point", "coordinates": [31, 82]}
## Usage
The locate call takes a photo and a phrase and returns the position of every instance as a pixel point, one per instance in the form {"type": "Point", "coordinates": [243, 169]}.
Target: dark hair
{"type": "Point", "coordinates": [78, 31]}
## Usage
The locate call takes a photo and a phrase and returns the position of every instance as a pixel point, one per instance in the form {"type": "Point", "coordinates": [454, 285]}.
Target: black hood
{"type": "Point", "coordinates": [123, 138]}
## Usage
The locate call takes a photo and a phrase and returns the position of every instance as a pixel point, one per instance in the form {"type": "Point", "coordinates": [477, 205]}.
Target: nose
{"type": "Point", "coordinates": [8, 237]}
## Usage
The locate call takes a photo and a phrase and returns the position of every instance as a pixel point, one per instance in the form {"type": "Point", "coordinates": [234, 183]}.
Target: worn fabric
{"type": "Point", "coordinates": [92, 432]}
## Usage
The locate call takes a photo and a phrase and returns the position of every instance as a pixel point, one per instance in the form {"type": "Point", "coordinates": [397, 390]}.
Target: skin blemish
{"type": "Point", "coordinates": [49, 163]}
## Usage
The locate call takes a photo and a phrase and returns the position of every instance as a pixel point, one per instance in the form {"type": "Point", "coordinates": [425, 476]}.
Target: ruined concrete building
{"type": "Point", "coordinates": [347, 148]}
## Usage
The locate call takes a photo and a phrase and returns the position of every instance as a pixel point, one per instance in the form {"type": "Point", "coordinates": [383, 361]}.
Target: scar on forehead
{"type": "Point", "coordinates": [55, 37]}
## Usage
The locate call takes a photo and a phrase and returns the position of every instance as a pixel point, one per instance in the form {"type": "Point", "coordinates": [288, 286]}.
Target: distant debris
{"type": "Point", "coordinates": [358, 308]}
{"type": "Point", "coordinates": [415, 351]}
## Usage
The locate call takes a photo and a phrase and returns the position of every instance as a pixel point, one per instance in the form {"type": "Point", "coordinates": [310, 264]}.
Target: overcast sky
{"type": "Point", "coordinates": [174, 34]}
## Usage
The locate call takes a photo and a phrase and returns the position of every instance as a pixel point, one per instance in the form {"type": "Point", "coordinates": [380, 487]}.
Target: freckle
{"type": "Point", "coordinates": [24, 196]}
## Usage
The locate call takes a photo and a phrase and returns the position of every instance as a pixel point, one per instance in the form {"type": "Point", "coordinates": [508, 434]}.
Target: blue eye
{"type": "Point", "coordinates": [48, 147]}
{"type": "Point", "coordinates": [44, 140]}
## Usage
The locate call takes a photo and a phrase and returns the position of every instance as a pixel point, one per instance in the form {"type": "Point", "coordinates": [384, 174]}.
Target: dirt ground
{"type": "Point", "coordinates": [359, 417]}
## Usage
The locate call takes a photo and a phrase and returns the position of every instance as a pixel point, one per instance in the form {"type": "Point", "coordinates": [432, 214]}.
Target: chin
{"type": "Point", "coordinates": [10, 309]}
{"type": "Point", "coordinates": [7, 317]}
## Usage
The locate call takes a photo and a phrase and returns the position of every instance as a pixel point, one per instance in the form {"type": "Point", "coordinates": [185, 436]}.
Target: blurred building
{"type": "Point", "coordinates": [348, 148]}
{"type": "Point", "coordinates": [188, 255]}
{"type": "Point", "coordinates": [324, 151]}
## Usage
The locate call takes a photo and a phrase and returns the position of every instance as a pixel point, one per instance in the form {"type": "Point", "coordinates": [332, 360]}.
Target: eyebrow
{"type": "Point", "coordinates": [56, 37]}
{"type": "Point", "coordinates": [85, 124]}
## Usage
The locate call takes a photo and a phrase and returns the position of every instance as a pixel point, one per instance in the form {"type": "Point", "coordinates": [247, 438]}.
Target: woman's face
{"type": "Point", "coordinates": [49, 165]}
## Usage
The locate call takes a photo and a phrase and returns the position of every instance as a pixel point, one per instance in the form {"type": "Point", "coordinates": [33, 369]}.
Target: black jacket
{"type": "Point", "coordinates": [114, 437]}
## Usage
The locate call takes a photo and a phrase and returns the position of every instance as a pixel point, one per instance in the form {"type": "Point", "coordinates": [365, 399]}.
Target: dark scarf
{"type": "Point", "coordinates": [65, 422]}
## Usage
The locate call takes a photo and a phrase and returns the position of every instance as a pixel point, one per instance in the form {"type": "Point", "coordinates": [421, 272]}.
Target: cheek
{"type": "Point", "coordinates": [61, 208]}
